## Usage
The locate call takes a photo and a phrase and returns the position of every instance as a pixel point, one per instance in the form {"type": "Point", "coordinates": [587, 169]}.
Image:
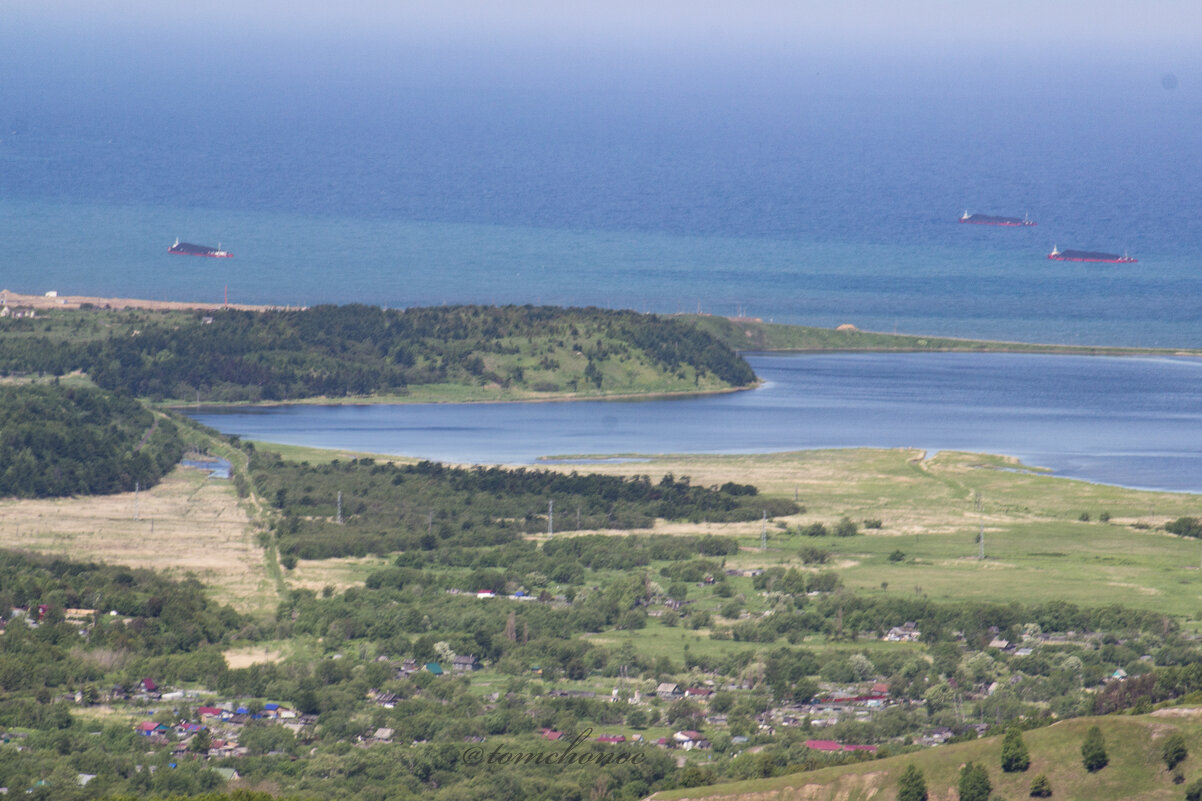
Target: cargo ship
{"type": "Point", "coordinates": [1089, 255]}
{"type": "Point", "coordinates": [186, 249]}
{"type": "Point", "coordinates": [989, 219]}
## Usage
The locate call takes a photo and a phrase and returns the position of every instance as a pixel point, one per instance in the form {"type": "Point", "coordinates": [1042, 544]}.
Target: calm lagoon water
{"type": "Point", "coordinates": [1131, 421]}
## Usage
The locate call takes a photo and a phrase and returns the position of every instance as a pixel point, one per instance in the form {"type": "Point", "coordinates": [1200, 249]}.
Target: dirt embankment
{"type": "Point", "coordinates": [56, 301]}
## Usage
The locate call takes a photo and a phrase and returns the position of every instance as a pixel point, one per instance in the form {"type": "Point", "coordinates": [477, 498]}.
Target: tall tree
{"type": "Point", "coordinates": [1093, 750]}
{"type": "Point", "coordinates": [974, 783]}
{"type": "Point", "coordinates": [1015, 757]}
{"type": "Point", "coordinates": [912, 786]}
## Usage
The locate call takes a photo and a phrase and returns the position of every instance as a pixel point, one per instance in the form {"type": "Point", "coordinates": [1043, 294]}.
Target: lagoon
{"type": "Point", "coordinates": [1129, 421]}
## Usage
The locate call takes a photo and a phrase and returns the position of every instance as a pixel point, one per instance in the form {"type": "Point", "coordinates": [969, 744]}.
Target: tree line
{"type": "Point", "coordinates": [428, 506]}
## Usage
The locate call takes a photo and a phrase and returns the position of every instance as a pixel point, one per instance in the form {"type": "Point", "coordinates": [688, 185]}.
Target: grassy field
{"type": "Point", "coordinates": [750, 334]}
{"type": "Point", "coordinates": [1037, 548]}
{"type": "Point", "coordinates": [188, 524]}
{"type": "Point", "coordinates": [1135, 772]}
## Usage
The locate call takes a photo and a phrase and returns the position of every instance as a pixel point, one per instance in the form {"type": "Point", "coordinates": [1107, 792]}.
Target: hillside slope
{"type": "Point", "coordinates": [1136, 771]}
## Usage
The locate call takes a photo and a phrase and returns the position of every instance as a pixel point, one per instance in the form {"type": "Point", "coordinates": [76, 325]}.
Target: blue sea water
{"type": "Point", "coordinates": [816, 196]}
{"type": "Point", "coordinates": [1131, 421]}
{"type": "Point", "coordinates": [818, 187]}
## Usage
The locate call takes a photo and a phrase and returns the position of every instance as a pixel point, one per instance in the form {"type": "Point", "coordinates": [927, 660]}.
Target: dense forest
{"type": "Point", "coordinates": [56, 440]}
{"type": "Point", "coordinates": [357, 350]}
{"type": "Point", "coordinates": [387, 507]}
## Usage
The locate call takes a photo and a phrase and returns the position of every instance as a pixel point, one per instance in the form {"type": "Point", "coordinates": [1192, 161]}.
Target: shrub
{"type": "Point", "coordinates": [1041, 787]}
{"type": "Point", "coordinates": [812, 555]}
{"type": "Point", "coordinates": [1185, 527]}
{"type": "Point", "coordinates": [846, 528]}
{"type": "Point", "coordinates": [1194, 791]}
{"type": "Point", "coordinates": [1173, 750]}
{"type": "Point", "coordinates": [872, 522]}
{"type": "Point", "coordinates": [897, 556]}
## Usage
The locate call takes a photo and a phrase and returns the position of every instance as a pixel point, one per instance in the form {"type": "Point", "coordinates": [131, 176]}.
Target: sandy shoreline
{"type": "Point", "coordinates": [56, 301]}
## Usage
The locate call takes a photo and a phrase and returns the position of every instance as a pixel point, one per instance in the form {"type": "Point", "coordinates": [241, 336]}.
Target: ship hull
{"type": "Point", "coordinates": [186, 249]}
{"type": "Point", "coordinates": [1098, 258]}
{"type": "Point", "coordinates": [1004, 222]}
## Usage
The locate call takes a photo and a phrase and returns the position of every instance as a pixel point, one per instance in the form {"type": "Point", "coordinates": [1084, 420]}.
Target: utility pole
{"type": "Point", "coordinates": [550, 518]}
{"type": "Point", "coordinates": [976, 502]}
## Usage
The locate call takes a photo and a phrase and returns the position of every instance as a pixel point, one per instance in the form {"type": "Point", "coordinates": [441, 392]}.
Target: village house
{"type": "Point", "coordinates": [907, 632]}
{"type": "Point", "coordinates": [668, 691]}
{"type": "Point", "coordinates": [689, 740]}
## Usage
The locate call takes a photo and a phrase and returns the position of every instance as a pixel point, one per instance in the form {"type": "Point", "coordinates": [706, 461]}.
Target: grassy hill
{"type": "Point", "coordinates": [1135, 773]}
{"type": "Point", "coordinates": [452, 353]}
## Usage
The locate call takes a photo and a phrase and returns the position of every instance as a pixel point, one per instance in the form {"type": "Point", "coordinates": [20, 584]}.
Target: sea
{"type": "Point", "coordinates": [817, 189]}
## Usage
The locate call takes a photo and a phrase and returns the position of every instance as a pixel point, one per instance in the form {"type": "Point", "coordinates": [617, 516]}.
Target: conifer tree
{"type": "Point", "coordinates": [1015, 757]}
{"type": "Point", "coordinates": [1093, 751]}
{"type": "Point", "coordinates": [974, 783]}
{"type": "Point", "coordinates": [912, 786]}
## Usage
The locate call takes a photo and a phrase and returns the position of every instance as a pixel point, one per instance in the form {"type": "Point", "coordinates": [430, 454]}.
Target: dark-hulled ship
{"type": "Point", "coordinates": [990, 219]}
{"type": "Point", "coordinates": [188, 249]}
{"type": "Point", "coordinates": [1089, 255]}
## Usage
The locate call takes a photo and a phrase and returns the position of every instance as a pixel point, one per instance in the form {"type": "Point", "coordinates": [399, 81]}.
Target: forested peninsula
{"type": "Point", "coordinates": [357, 351]}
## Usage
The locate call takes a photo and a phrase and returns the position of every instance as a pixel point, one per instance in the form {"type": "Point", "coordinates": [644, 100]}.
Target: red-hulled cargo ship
{"type": "Point", "coordinates": [1089, 255]}
{"type": "Point", "coordinates": [989, 219]}
{"type": "Point", "coordinates": [186, 249]}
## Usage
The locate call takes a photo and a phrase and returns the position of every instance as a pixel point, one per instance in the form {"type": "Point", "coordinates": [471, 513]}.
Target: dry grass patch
{"type": "Point", "coordinates": [252, 655]}
{"type": "Point", "coordinates": [188, 524]}
{"type": "Point", "coordinates": [339, 573]}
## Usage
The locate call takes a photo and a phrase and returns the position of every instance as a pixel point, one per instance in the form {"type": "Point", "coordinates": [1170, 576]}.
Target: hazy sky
{"type": "Point", "coordinates": [967, 45]}
{"type": "Point", "coordinates": [1016, 22]}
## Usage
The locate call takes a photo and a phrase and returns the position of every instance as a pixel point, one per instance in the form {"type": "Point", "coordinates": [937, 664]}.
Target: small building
{"type": "Point", "coordinates": [668, 690]}
{"type": "Point", "coordinates": [907, 632]}
{"type": "Point", "coordinates": [435, 668]}
{"type": "Point", "coordinates": [689, 740]}
{"type": "Point", "coordinates": [465, 664]}
{"type": "Point", "coordinates": [148, 728]}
